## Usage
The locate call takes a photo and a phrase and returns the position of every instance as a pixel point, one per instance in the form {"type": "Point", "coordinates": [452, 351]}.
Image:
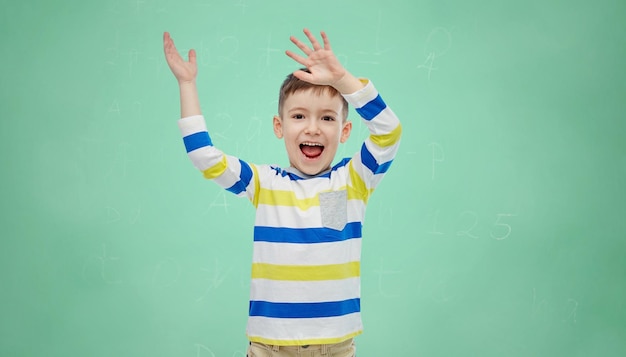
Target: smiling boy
{"type": "Point", "coordinates": [305, 288]}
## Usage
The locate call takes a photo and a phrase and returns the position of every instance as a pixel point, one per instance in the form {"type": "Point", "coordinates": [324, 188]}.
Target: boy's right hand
{"type": "Point", "coordinates": [184, 71]}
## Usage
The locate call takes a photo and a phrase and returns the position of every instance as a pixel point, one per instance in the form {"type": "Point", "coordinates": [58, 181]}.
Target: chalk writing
{"type": "Point", "coordinates": [219, 201]}
{"type": "Point", "coordinates": [113, 215]}
{"type": "Point", "coordinates": [202, 350]}
{"type": "Point", "coordinates": [470, 227]}
{"type": "Point", "coordinates": [103, 261]}
{"type": "Point", "coordinates": [565, 312]}
{"type": "Point", "coordinates": [438, 43]}
{"type": "Point", "coordinates": [264, 62]}
{"type": "Point", "coordinates": [504, 229]}
{"type": "Point", "coordinates": [469, 222]}
{"type": "Point", "coordinates": [381, 272]}
{"type": "Point", "coordinates": [243, 5]}
{"type": "Point", "coordinates": [377, 40]}
{"type": "Point", "coordinates": [438, 156]}
{"type": "Point", "coordinates": [571, 310]}
{"type": "Point", "coordinates": [215, 280]}
{"type": "Point", "coordinates": [435, 230]}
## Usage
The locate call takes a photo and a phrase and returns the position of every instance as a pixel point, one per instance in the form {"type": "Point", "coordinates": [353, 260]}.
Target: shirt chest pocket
{"type": "Point", "coordinates": [334, 209]}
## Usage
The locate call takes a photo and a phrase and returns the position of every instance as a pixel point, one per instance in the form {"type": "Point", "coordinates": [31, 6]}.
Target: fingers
{"type": "Point", "coordinates": [304, 76]}
{"type": "Point", "coordinates": [307, 51]}
{"type": "Point", "coordinates": [326, 41]}
{"type": "Point", "coordinates": [192, 56]}
{"type": "Point", "coordinates": [296, 57]}
{"type": "Point", "coordinates": [168, 44]}
{"type": "Point", "coordinates": [316, 45]}
{"type": "Point", "coordinates": [309, 35]}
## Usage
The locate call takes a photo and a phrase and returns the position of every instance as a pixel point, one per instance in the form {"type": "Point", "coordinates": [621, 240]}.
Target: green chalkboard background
{"type": "Point", "coordinates": [499, 231]}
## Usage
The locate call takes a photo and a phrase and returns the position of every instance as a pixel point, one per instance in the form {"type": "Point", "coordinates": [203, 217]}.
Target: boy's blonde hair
{"type": "Point", "coordinates": [292, 84]}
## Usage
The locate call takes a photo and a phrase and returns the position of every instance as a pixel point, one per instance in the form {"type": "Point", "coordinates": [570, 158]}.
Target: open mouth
{"type": "Point", "coordinates": [311, 150]}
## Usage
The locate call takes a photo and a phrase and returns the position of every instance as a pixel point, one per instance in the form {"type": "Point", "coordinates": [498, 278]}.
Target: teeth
{"type": "Point", "coordinates": [311, 144]}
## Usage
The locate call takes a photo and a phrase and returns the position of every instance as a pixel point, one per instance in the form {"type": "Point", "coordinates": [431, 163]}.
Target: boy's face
{"type": "Point", "coordinates": [312, 126]}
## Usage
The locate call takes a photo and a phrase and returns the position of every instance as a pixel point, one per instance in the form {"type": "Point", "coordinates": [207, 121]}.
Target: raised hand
{"type": "Point", "coordinates": [184, 71]}
{"type": "Point", "coordinates": [324, 66]}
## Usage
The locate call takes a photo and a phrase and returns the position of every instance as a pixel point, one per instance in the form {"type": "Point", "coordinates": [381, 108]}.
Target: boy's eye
{"type": "Point", "coordinates": [327, 118]}
{"type": "Point", "coordinates": [298, 116]}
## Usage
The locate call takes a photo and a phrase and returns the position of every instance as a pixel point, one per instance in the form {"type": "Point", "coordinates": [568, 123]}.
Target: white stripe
{"type": "Point", "coordinates": [382, 154]}
{"type": "Point", "coordinates": [286, 216]}
{"type": "Point", "coordinates": [232, 174]}
{"type": "Point", "coordinates": [384, 123]}
{"type": "Point", "coordinates": [303, 189]}
{"type": "Point", "coordinates": [307, 254]}
{"type": "Point", "coordinates": [304, 329]}
{"type": "Point", "coordinates": [305, 291]}
{"type": "Point", "coordinates": [205, 157]}
{"type": "Point", "coordinates": [191, 125]}
{"type": "Point", "coordinates": [363, 96]}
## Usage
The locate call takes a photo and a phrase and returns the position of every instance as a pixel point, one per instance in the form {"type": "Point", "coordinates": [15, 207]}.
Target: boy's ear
{"type": "Point", "coordinates": [345, 131]}
{"type": "Point", "coordinates": [278, 127]}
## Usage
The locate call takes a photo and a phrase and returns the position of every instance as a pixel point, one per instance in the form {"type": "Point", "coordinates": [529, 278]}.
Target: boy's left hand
{"type": "Point", "coordinates": [324, 66]}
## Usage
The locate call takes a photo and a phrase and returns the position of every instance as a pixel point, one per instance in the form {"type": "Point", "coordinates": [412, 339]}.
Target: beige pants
{"type": "Point", "coordinates": [342, 349]}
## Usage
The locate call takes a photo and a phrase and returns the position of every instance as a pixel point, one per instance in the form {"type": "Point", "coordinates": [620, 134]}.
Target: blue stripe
{"type": "Point", "coordinates": [244, 179]}
{"type": "Point", "coordinates": [197, 140]}
{"type": "Point", "coordinates": [294, 177]}
{"type": "Point", "coordinates": [370, 110]}
{"type": "Point", "coordinates": [306, 235]}
{"type": "Point", "coordinates": [370, 162]}
{"type": "Point", "coordinates": [304, 310]}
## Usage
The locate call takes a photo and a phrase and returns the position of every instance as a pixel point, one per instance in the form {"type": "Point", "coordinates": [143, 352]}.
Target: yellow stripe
{"type": "Point", "coordinates": [386, 140]}
{"type": "Point", "coordinates": [216, 170]}
{"type": "Point", "coordinates": [286, 198]}
{"type": "Point", "coordinates": [320, 341]}
{"type": "Point", "coordinates": [305, 272]}
{"type": "Point", "coordinates": [257, 184]}
{"type": "Point", "coordinates": [357, 190]}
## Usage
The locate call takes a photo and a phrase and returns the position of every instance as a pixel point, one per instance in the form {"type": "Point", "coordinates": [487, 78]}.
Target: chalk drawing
{"type": "Point", "coordinates": [115, 107]}
{"type": "Point", "coordinates": [504, 229]}
{"type": "Point", "coordinates": [113, 215]}
{"type": "Point", "coordinates": [435, 219]}
{"type": "Point", "coordinates": [103, 261]}
{"type": "Point", "coordinates": [119, 165]}
{"type": "Point", "coordinates": [571, 311]}
{"type": "Point", "coordinates": [437, 158]}
{"type": "Point", "coordinates": [138, 5]}
{"type": "Point", "coordinates": [113, 52]}
{"type": "Point", "coordinates": [381, 272]}
{"type": "Point", "coordinates": [265, 59]}
{"type": "Point", "coordinates": [469, 227]}
{"type": "Point", "coordinates": [215, 280]}
{"type": "Point", "coordinates": [374, 56]}
{"type": "Point", "coordinates": [243, 5]}
{"type": "Point", "coordinates": [438, 43]}
{"type": "Point", "coordinates": [219, 201]}
{"type": "Point", "coordinates": [203, 351]}
{"type": "Point", "coordinates": [133, 59]}
{"type": "Point", "coordinates": [220, 123]}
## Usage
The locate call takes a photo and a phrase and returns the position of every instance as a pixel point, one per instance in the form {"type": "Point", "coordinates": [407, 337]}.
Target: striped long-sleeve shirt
{"type": "Point", "coordinates": [305, 286]}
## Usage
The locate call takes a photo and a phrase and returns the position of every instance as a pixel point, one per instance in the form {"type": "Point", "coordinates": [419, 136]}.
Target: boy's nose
{"type": "Point", "coordinates": [312, 127]}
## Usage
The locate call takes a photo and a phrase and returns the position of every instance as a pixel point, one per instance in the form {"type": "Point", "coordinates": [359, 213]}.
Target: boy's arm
{"type": "Point", "coordinates": [324, 66]}
{"type": "Point", "coordinates": [185, 73]}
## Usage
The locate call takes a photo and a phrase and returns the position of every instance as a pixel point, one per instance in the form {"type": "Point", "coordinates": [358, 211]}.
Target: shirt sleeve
{"type": "Point", "coordinates": [369, 165]}
{"type": "Point", "coordinates": [231, 173]}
